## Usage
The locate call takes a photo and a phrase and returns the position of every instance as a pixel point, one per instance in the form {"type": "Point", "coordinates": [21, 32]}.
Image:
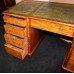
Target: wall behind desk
{"type": "Point", "coordinates": [61, 1]}
{"type": "Point", "coordinates": [17, 1]}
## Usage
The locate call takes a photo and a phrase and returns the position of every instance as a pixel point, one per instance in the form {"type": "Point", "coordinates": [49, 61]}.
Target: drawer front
{"type": "Point", "coordinates": [15, 21]}
{"type": "Point", "coordinates": [15, 51]}
{"type": "Point", "coordinates": [52, 26]}
{"type": "Point", "coordinates": [14, 30]}
{"type": "Point", "coordinates": [67, 30]}
{"type": "Point", "coordinates": [15, 41]}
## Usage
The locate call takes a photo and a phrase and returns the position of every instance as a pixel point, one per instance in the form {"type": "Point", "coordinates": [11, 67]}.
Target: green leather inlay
{"type": "Point", "coordinates": [56, 11]}
{"type": "Point", "coordinates": [47, 10]}
{"type": "Point", "coordinates": [25, 7]}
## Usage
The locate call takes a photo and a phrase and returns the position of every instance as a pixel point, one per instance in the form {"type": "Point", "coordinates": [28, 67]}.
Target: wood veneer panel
{"type": "Point", "coordinates": [52, 26]}
{"type": "Point", "coordinates": [16, 41]}
{"type": "Point", "coordinates": [35, 37]}
{"type": "Point", "coordinates": [14, 30]}
{"type": "Point", "coordinates": [16, 21]}
{"type": "Point", "coordinates": [16, 51]}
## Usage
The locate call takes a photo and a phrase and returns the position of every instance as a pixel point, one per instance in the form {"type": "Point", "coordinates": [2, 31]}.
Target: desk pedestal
{"type": "Point", "coordinates": [68, 63]}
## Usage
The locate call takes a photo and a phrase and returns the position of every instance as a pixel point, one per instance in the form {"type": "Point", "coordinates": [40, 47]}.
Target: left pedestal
{"type": "Point", "coordinates": [21, 39]}
{"type": "Point", "coordinates": [16, 36]}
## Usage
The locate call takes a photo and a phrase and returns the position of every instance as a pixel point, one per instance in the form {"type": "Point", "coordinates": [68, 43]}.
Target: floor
{"type": "Point", "coordinates": [47, 58]}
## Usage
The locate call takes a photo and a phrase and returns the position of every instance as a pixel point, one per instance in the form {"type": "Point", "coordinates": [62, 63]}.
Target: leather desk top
{"type": "Point", "coordinates": [25, 7]}
{"type": "Point", "coordinates": [56, 11]}
{"type": "Point", "coordinates": [48, 10]}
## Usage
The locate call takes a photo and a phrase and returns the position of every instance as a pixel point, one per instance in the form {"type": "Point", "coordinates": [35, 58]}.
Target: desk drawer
{"type": "Point", "coordinates": [52, 26]}
{"type": "Point", "coordinates": [16, 21]}
{"type": "Point", "coordinates": [16, 51]}
{"type": "Point", "coordinates": [14, 30]}
{"type": "Point", "coordinates": [21, 43]}
{"type": "Point", "coordinates": [66, 30]}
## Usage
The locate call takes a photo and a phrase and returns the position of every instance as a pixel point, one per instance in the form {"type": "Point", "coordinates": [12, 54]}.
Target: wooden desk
{"type": "Point", "coordinates": [52, 17]}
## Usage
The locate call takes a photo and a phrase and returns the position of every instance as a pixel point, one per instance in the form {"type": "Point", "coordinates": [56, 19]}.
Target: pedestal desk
{"type": "Point", "coordinates": [24, 19]}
